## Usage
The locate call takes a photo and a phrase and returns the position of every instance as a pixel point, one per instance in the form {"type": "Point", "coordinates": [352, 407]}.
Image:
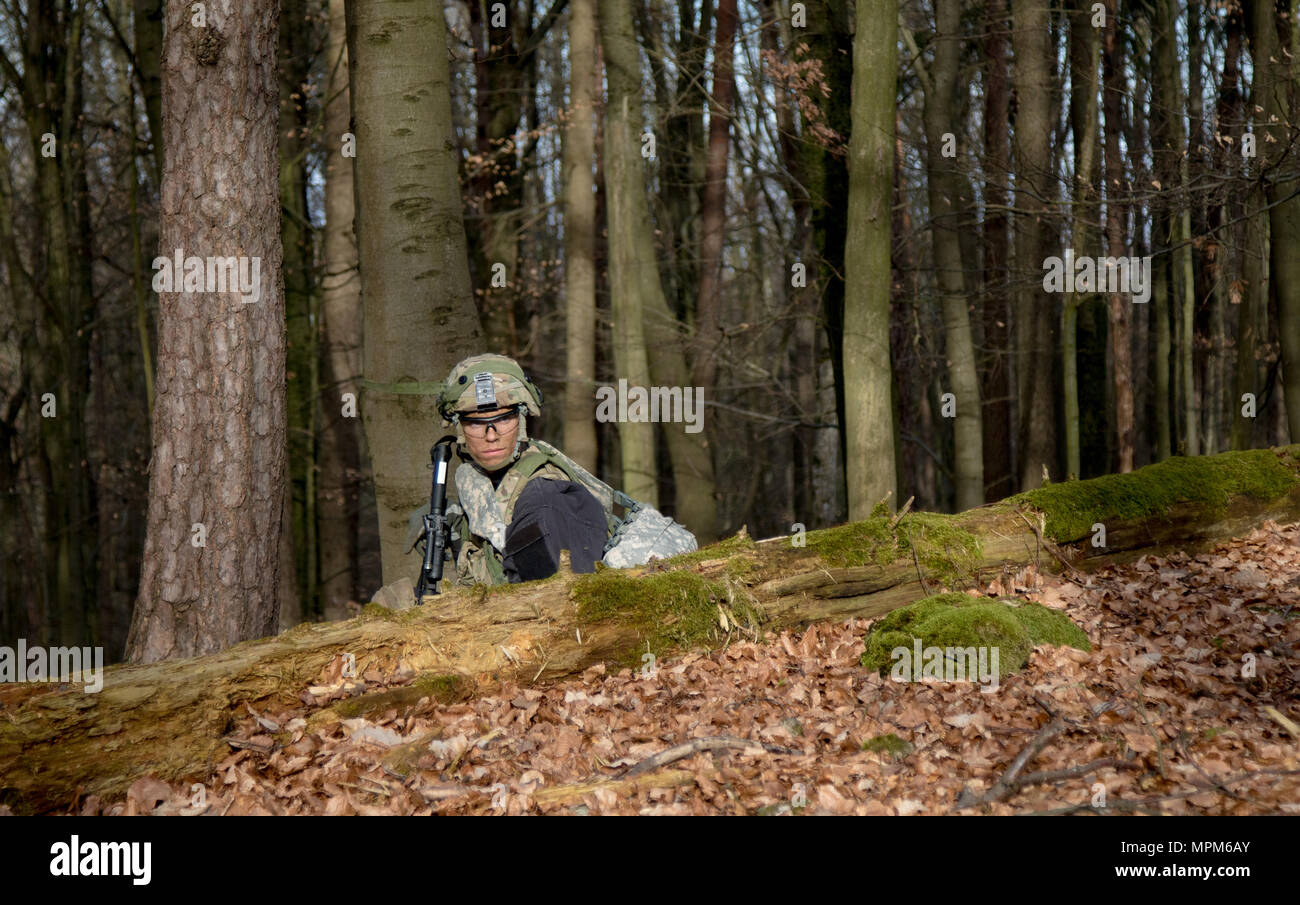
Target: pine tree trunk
{"type": "Point", "coordinates": [219, 421]}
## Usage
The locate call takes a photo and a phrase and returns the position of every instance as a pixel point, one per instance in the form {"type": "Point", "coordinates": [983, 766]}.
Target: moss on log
{"type": "Point", "coordinates": [168, 719]}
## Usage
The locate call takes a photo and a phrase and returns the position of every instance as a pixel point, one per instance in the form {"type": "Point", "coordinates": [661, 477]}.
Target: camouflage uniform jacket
{"type": "Point", "coordinates": [480, 515]}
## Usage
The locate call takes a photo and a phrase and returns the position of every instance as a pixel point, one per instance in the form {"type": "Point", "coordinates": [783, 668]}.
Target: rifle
{"type": "Point", "coordinates": [435, 523]}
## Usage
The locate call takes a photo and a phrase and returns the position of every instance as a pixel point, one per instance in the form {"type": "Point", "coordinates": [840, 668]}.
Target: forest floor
{"type": "Point", "coordinates": [1186, 704]}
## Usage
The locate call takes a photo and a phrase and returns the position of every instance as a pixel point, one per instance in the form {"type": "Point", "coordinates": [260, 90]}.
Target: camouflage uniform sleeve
{"type": "Point", "coordinates": [551, 473]}
{"type": "Point", "coordinates": [460, 544]}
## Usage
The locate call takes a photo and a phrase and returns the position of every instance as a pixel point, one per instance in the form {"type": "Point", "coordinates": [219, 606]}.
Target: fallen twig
{"type": "Point", "coordinates": [696, 745]}
{"type": "Point", "coordinates": [1278, 717]}
{"type": "Point", "coordinates": [1032, 779]}
{"type": "Point", "coordinates": [1071, 570]}
{"type": "Point", "coordinates": [893, 522]}
{"type": "Point", "coordinates": [915, 559]}
{"type": "Point", "coordinates": [1144, 804]}
{"type": "Point", "coordinates": [1180, 745]}
{"type": "Point", "coordinates": [1007, 781]}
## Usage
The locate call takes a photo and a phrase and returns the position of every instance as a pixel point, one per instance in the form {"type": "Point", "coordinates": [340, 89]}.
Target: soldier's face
{"type": "Point", "coordinates": [492, 450]}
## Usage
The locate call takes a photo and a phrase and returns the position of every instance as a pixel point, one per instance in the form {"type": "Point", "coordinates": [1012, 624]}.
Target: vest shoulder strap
{"type": "Point", "coordinates": [542, 453]}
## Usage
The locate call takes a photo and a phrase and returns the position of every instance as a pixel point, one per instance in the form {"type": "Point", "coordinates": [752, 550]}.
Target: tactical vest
{"type": "Point", "coordinates": [479, 517]}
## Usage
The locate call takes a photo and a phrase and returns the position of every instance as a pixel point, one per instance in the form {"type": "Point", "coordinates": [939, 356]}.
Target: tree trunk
{"type": "Point", "coordinates": [996, 390]}
{"type": "Point", "coordinates": [942, 109]}
{"type": "Point", "coordinates": [776, 39]}
{"type": "Point", "coordinates": [1032, 133]}
{"type": "Point", "coordinates": [1277, 102]}
{"type": "Point", "coordinates": [299, 569]}
{"type": "Point", "coordinates": [212, 562]}
{"type": "Point", "coordinates": [148, 35]}
{"type": "Point", "coordinates": [1167, 145]}
{"type": "Point", "coordinates": [870, 468]}
{"type": "Point", "coordinates": [167, 720]}
{"type": "Point", "coordinates": [580, 238]}
{"type": "Point", "coordinates": [56, 311]}
{"type": "Point", "coordinates": [633, 270]}
{"type": "Point", "coordinates": [415, 290]}
{"type": "Point", "coordinates": [682, 149]}
{"type": "Point", "coordinates": [340, 442]}
{"type": "Point", "coordinates": [1171, 171]}
{"type": "Point", "coordinates": [713, 205]}
{"type": "Point", "coordinates": [1121, 346]}
{"type": "Point", "coordinates": [1083, 231]}
{"type": "Point", "coordinates": [633, 274]}
{"type": "Point", "coordinates": [826, 41]}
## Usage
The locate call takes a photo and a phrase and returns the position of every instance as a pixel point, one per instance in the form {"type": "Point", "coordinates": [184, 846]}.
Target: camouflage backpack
{"type": "Point", "coordinates": [643, 534]}
{"type": "Point", "coordinates": [482, 511]}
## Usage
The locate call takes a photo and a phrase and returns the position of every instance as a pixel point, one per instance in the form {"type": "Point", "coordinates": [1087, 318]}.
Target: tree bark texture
{"type": "Point", "coordinates": [340, 286]}
{"type": "Point", "coordinates": [211, 573]}
{"type": "Point", "coordinates": [869, 426]}
{"type": "Point", "coordinates": [1031, 136]}
{"type": "Point", "coordinates": [415, 288]}
{"type": "Point", "coordinates": [580, 237]}
{"type": "Point", "coordinates": [942, 110]}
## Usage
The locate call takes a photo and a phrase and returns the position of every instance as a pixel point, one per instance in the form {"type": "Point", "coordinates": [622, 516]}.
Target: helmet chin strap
{"type": "Point", "coordinates": [523, 432]}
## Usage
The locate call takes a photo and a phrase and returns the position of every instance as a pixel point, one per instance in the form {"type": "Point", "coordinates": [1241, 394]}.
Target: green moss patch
{"type": "Point", "coordinates": [961, 621]}
{"type": "Point", "coordinates": [944, 548]}
{"type": "Point", "coordinates": [1074, 507]}
{"type": "Point", "coordinates": [723, 549]}
{"type": "Point", "coordinates": [443, 688]}
{"type": "Point", "coordinates": [672, 610]}
{"type": "Point", "coordinates": [377, 611]}
{"type": "Point", "coordinates": [890, 744]}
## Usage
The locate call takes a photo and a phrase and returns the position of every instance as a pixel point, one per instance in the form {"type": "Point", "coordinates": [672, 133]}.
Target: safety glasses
{"type": "Point", "coordinates": [477, 427]}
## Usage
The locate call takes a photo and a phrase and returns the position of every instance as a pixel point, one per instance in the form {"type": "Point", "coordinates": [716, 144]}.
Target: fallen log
{"type": "Point", "coordinates": [168, 719]}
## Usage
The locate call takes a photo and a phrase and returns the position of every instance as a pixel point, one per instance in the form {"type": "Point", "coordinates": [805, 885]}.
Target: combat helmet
{"type": "Point", "coordinates": [482, 383]}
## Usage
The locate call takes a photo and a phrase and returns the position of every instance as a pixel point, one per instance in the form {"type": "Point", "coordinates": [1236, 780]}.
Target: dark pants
{"type": "Point", "coordinates": [551, 516]}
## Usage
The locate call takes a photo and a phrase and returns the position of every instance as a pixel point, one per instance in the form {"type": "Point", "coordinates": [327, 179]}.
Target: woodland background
{"type": "Point", "coordinates": [749, 197]}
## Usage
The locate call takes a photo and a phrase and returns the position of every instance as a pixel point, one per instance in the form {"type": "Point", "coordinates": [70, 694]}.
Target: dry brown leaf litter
{"type": "Point", "coordinates": [1157, 718]}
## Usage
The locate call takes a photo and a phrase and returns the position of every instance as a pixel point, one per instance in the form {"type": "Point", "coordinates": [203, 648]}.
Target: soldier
{"type": "Point", "coordinates": [518, 502]}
